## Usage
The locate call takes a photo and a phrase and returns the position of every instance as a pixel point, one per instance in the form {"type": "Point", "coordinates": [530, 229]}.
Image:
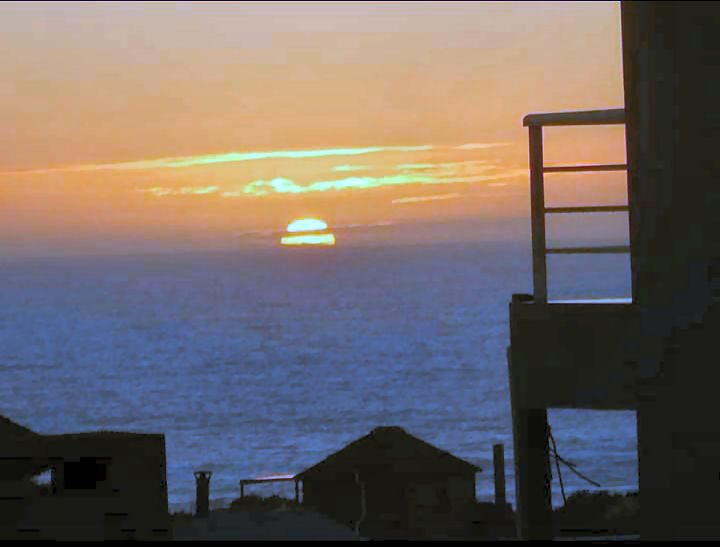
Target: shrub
{"type": "Point", "coordinates": [180, 516]}
{"type": "Point", "coordinates": [258, 503]}
{"type": "Point", "coordinates": [598, 513]}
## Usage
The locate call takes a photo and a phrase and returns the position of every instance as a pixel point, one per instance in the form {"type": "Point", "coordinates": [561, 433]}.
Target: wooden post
{"type": "Point", "coordinates": [537, 214]}
{"type": "Point", "coordinates": [242, 489]}
{"type": "Point", "coordinates": [532, 466]}
{"type": "Point", "coordinates": [532, 475]}
{"type": "Point", "coordinates": [499, 465]}
{"type": "Point", "coordinates": [297, 491]}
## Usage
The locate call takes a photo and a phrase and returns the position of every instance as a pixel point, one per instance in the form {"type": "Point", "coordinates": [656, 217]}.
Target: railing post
{"type": "Point", "coordinates": [537, 213]}
{"type": "Point", "coordinates": [499, 468]}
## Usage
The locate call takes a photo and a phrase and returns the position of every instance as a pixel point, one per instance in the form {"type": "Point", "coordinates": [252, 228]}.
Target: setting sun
{"type": "Point", "coordinates": [309, 239]}
{"type": "Point", "coordinates": [306, 225]}
{"type": "Point", "coordinates": [308, 231]}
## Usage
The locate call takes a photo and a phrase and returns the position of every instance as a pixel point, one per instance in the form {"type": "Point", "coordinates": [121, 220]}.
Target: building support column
{"type": "Point", "coordinates": [533, 497]}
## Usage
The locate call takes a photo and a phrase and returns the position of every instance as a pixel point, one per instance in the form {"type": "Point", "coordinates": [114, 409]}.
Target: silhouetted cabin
{"type": "Point", "coordinates": [390, 484]}
{"type": "Point", "coordinates": [100, 485]}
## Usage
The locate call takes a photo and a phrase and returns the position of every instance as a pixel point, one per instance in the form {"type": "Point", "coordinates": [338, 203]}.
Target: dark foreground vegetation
{"type": "Point", "coordinates": [258, 503]}
{"type": "Point", "coordinates": [598, 514]}
{"type": "Point", "coordinates": [248, 503]}
{"type": "Point", "coordinates": [585, 514]}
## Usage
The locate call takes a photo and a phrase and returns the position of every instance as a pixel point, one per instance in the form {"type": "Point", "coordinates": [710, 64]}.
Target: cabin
{"type": "Point", "coordinates": [96, 486]}
{"type": "Point", "coordinates": [656, 351]}
{"type": "Point", "coordinates": [390, 484]}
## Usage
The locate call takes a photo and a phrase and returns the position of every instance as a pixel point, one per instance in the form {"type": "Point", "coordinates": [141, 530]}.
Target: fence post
{"type": "Point", "coordinates": [537, 214]}
{"type": "Point", "coordinates": [202, 502]}
{"type": "Point", "coordinates": [499, 465]}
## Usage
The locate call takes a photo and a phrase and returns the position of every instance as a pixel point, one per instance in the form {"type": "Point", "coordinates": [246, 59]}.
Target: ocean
{"type": "Point", "coordinates": [262, 361]}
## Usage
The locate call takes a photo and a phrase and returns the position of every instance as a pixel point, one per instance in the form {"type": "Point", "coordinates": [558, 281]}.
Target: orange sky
{"type": "Point", "coordinates": [171, 122]}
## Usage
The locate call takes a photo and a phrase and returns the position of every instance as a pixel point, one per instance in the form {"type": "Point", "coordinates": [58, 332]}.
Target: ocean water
{"type": "Point", "coordinates": [264, 361]}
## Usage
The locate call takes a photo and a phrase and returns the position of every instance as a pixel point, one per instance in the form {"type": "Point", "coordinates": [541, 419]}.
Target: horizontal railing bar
{"type": "Point", "coordinates": [582, 168]}
{"type": "Point", "coordinates": [588, 250]}
{"type": "Point", "coordinates": [578, 117]}
{"type": "Point", "coordinates": [588, 209]}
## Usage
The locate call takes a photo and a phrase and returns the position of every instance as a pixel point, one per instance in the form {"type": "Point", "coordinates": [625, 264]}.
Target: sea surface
{"type": "Point", "coordinates": [262, 361]}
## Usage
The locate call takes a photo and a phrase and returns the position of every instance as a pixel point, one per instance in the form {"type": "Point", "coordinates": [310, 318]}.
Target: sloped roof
{"type": "Point", "coordinates": [11, 430]}
{"type": "Point", "coordinates": [23, 451]}
{"type": "Point", "coordinates": [393, 447]}
{"type": "Point", "coordinates": [18, 444]}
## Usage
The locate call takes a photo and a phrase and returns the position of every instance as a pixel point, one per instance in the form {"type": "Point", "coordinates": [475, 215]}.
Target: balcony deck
{"type": "Point", "coordinates": [570, 353]}
{"type": "Point", "coordinates": [573, 353]}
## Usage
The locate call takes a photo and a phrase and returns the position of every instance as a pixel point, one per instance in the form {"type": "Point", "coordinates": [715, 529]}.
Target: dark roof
{"type": "Point", "coordinates": [11, 430]}
{"type": "Point", "coordinates": [394, 447]}
{"type": "Point", "coordinates": [16, 463]}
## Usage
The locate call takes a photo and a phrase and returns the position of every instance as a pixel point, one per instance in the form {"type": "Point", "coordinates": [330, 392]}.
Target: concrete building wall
{"type": "Point", "coordinates": [671, 55]}
{"type": "Point", "coordinates": [440, 506]}
{"type": "Point", "coordinates": [398, 505]}
{"type": "Point", "coordinates": [105, 487]}
{"type": "Point", "coordinates": [336, 496]}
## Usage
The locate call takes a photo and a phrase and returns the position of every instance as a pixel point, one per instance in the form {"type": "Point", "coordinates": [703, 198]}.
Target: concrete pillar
{"type": "Point", "coordinates": [202, 503]}
{"type": "Point", "coordinates": [532, 467]}
{"type": "Point", "coordinates": [533, 475]}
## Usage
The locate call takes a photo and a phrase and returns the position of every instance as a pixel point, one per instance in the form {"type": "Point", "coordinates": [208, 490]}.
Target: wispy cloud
{"type": "Point", "coordinates": [420, 199]}
{"type": "Point", "coordinates": [408, 166]}
{"type": "Point", "coordinates": [478, 145]}
{"type": "Point", "coordinates": [343, 168]}
{"type": "Point", "coordinates": [475, 171]}
{"type": "Point", "coordinates": [282, 185]}
{"type": "Point", "coordinates": [232, 157]}
{"type": "Point", "coordinates": [184, 191]}
{"type": "Point", "coordinates": [441, 165]}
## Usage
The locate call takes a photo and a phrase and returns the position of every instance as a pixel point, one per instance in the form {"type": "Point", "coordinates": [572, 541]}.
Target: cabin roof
{"type": "Point", "coordinates": [391, 446]}
{"type": "Point", "coordinates": [12, 430]}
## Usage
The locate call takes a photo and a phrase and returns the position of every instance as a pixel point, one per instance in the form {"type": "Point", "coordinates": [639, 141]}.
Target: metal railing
{"type": "Point", "coordinates": [535, 124]}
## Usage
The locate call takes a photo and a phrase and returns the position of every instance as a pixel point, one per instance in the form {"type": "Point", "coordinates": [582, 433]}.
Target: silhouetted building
{"type": "Point", "coordinates": [389, 484]}
{"type": "Point", "coordinates": [99, 485]}
{"type": "Point", "coordinates": [656, 352]}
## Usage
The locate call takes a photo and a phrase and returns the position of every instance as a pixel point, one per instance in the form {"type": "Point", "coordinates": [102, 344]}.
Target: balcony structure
{"type": "Point", "coordinates": [563, 353]}
{"type": "Point", "coordinates": [658, 352]}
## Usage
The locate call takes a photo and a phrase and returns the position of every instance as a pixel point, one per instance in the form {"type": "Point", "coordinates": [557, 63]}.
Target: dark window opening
{"type": "Point", "coordinates": [84, 475]}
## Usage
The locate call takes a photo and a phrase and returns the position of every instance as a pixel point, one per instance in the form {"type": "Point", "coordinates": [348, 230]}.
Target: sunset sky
{"type": "Point", "coordinates": [143, 125]}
